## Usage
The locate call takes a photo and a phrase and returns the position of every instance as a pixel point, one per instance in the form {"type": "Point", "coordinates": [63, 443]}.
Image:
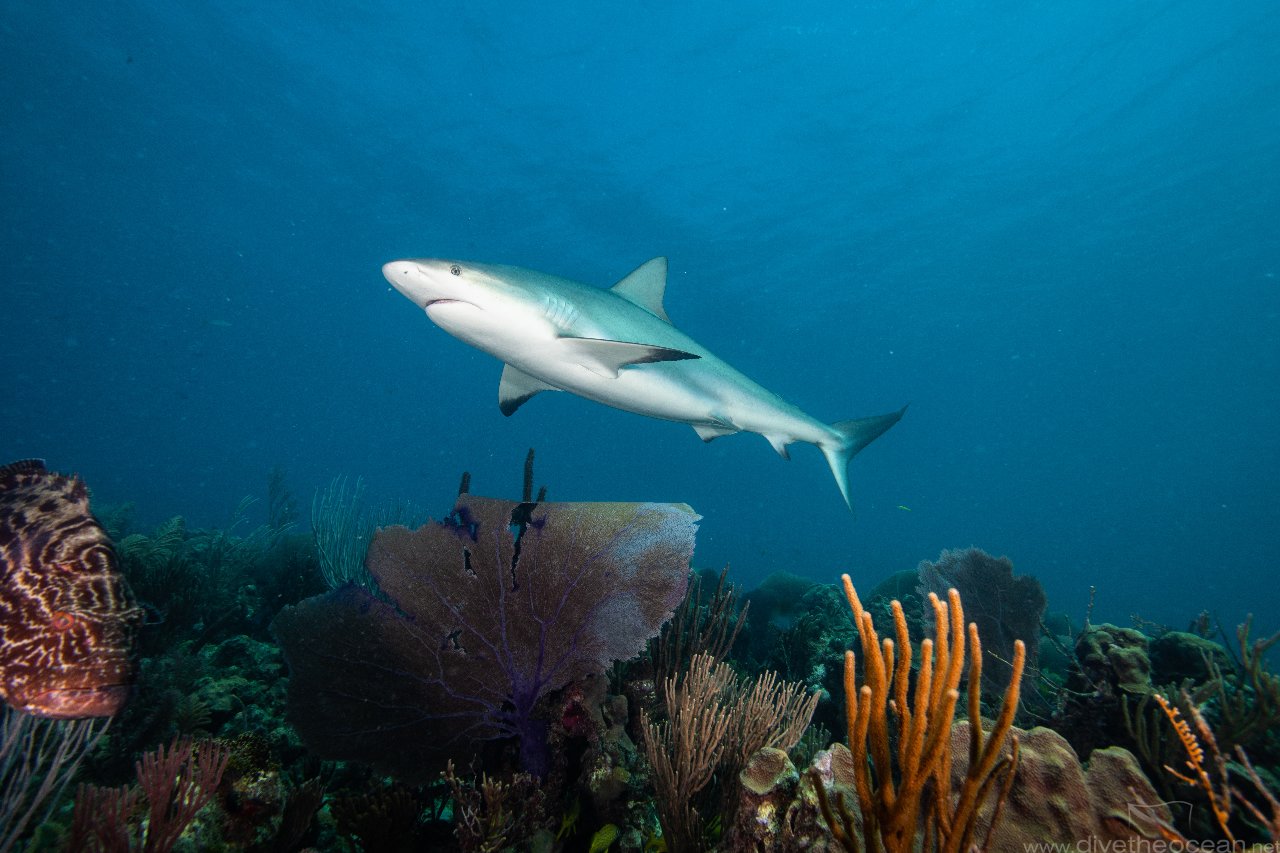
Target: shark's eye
{"type": "Point", "coordinates": [455, 269]}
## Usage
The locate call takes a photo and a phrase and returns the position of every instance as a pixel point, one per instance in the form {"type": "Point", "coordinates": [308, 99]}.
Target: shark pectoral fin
{"type": "Point", "coordinates": [707, 432]}
{"type": "Point", "coordinates": [516, 387]}
{"type": "Point", "coordinates": [645, 287]}
{"type": "Point", "coordinates": [780, 443]}
{"type": "Point", "coordinates": [606, 358]}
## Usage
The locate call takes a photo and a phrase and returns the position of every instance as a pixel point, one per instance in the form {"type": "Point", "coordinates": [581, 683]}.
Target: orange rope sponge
{"type": "Point", "coordinates": [892, 786]}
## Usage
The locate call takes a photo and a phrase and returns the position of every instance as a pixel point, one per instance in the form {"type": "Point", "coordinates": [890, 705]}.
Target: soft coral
{"type": "Point", "coordinates": [488, 612]}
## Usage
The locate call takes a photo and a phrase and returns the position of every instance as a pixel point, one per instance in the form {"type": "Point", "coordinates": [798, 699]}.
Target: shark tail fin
{"type": "Point", "coordinates": [853, 436]}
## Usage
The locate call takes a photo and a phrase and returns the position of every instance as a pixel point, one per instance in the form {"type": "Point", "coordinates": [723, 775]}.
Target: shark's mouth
{"type": "Point", "coordinates": [448, 305]}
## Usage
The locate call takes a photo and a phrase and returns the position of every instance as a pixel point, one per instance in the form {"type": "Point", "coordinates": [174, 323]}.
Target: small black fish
{"type": "Point", "coordinates": [67, 616]}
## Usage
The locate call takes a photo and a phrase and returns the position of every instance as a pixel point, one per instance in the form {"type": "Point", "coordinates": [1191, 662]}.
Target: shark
{"type": "Point", "coordinates": [615, 346]}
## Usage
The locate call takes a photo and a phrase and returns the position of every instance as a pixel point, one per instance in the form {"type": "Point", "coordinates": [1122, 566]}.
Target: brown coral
{"type": "Point", "coordinates": [1054, 798]}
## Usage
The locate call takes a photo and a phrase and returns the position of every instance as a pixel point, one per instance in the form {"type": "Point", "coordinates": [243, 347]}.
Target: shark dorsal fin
{"type": "Point", "coordinates": [645, 286]}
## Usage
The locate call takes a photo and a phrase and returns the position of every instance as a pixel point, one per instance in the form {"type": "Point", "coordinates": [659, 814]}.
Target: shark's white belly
{"type": "Point", "coordinates": [704, 391]}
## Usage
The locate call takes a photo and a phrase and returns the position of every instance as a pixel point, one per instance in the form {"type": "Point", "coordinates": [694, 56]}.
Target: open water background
{"type": "Point", "coordinates": [1052, 227]}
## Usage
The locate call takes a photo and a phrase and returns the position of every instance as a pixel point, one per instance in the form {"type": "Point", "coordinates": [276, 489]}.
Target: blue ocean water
{"type": "Point", "coordinates": [1050, 227]}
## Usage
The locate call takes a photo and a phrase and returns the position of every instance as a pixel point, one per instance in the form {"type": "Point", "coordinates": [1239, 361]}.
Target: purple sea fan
{"type": "Point", "coordinates": [489, 610]}
{"type": "Point", "coordinates": [1004, 606]}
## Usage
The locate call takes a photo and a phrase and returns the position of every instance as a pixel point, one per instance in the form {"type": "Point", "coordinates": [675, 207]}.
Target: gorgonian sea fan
{"type": "Point", "coordinates": [1006, 608]}
{"type": "Point", "coordinates": [489, 610]}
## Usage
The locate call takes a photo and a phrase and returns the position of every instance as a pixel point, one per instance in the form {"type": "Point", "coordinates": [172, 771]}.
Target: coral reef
{"type": "Point", "coordinates": [1111, 665]}
{"type": "Point", "coordinates": [201, 586]}
{"type": "Point", "coordinates": [626, 742]}
{"type": "Point", "coordinates": [229, 688]}
{"type": "Point", "coordinates": [714, 725]}
{"type": "Point", "coordinates": [810, 649]}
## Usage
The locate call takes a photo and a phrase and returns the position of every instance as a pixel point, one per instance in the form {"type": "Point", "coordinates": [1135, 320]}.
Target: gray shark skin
{"type": "Point", "coordinates": [616, 347]}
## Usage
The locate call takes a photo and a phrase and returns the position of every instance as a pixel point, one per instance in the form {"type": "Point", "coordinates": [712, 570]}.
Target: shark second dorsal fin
{"type": "Point", "coordinates": [607, 358]}
{"type": "Point", "coordinates": [516, 387]}
{"type": "Point", "coordinates": [645, 287]}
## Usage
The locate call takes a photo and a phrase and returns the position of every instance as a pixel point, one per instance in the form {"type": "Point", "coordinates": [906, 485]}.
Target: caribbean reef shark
{"type": "Point", "coordinates": [617, 347]}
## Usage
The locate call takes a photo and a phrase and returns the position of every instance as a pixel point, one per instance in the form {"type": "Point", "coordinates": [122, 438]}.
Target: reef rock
{"type": "Point", "coordinates": [1055, 799]}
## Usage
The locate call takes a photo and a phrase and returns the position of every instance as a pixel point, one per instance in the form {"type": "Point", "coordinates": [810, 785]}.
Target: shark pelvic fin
{"type": "Point", "coordinates": [607, 358]}
{"type": "Point", "coordinates": [645, 286]}
{"type": "Point", "coordinates": [707, 432]}
{"type": "Point", "coordinates": [516, 387]}
{"type": "Point", "coordinates": [852, 437]}
{"type": "Point", "coordinates": [780, 443]}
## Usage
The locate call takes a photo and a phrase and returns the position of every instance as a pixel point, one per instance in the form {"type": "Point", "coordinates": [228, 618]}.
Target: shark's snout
{"type": "Point", "coordinates": [397, 272]}
{"type": "Point", "coordinates": [407, 277]}
{"type": "Point", "coordinates": [396, 269]}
